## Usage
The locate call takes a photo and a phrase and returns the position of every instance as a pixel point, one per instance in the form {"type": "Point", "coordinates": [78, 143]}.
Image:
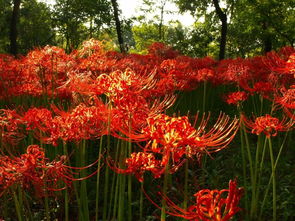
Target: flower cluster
{"type": "Point", "coordinates": [268, 125]}
{"type": "Point", "coordinates": [32, 169]}
{"type": "Point", "coordinates": [210, 205]}
{"type": "Point", "coordinates": [174, 139]}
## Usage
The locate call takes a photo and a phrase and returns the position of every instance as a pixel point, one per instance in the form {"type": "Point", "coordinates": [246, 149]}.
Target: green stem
{"type": "Point", "coordinates": [273, 180]}
{"type": "Point", "coordinates": [17, 206]}
{"type": "Point", "coordinates": [244, 167]}
{"type": "Point", "coordinates": [141, 203]}
{"type": "Point", "coordinates": [66, 190]}
{"type": "Point", "coordinates": [47, 211]}
{"type": "Point", "coordinates": [98, 178]}
{"type": "Point", "coordinates": [83, 189]}
{"type": "Point", "coordinates": [272, 175]}
{"type": "Point", "coordinates": [251, 170]}
{"type": "Point", "coordinates": [163, 210]}
{"type": "Point", "coordinates": [129, 187]}
{"type": "Point", "coordinates": [185, 185]}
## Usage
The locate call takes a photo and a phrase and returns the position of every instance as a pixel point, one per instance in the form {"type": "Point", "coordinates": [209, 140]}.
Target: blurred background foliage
{"type": "Point", "coordinates": [253, 27]}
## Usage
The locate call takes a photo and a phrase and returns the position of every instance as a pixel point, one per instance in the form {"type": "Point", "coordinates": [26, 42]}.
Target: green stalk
{"type": "Point", "coordinates": [259, 174]}
{"type": "Point", "coordinates": [244, 167]}
{"type": "Point", "coordinates": [98, 178]}
{"type": "Point", "coordinates": [47, 211]}
{"type": "Point", "coordinates": [185, 185]}
{"type": "Point", "coordinates": [17, 206]}
{"type": "Point", "coordinates": [114, 186]}
{"type": "Point", "coordinates": [255, 186]}
{"type": "Point", "coordinates": [66, 190]}
{"type": "Point", "coordinates": [141, 203]}
{"type": "Point", "coordinates": [163, 210]}
{"type": "Point", "coordinates": [251, 169]}
{"type": "Point", "coordinates": [274, 201]}
{"type": "Point", "coordinates": [83, 189]}
{"type": "Point", "coordinates": [106, 183]}
{"type": "Point", "coordinates": [272, 175]}
{"type": "Point", "coordinates": [122, 178]}
{"type": "Point", "coordinates": [129, 190]}
{"type": "Point", "coordinates": [116, 197]}
{"type": "Point", "coordinates": [129, 177]}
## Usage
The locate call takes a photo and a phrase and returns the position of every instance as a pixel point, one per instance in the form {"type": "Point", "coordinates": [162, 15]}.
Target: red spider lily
{"type": "Point", "coordinates": [138, 163]}
{"type": "Point", "coordinates": [287, 98]}
{"type": "Point", "coordinates": [211, 205]}
{"type": "Point", "coordinates": [177, 136]}
{"type": "Point", "coordinates": [205, 74]}
{"type": "Point", "coordinates": [32, 169]}
{"type": "Point", "coordinates": [89, 47]}
{"type": "Point", "coordinates": [174, 138]}
{"type": "Point", "coordinates": [82, 122]}
{"type": "Point", "coordinates": [236, 97]}
{"type": "Point", "coordinates": [281, 62]}
{"type": "Point", "coordinates": [161, 50]}
{"type": "Point", "coordinates": [36, 118]}
{"type": "Point", "coordinates": [268, 125]}
{"type": "Point", "coordinates": [130, 111]}
{"type": "Point", "coordinates": [82, 83]}
{"type": "Point", "coordinates": [290, 64]}
{"type": "Point", "coordinates": [10, 127]}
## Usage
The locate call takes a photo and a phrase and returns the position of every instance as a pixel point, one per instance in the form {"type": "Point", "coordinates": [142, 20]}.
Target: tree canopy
{"type": "Point", "coordinates": [222, 29]}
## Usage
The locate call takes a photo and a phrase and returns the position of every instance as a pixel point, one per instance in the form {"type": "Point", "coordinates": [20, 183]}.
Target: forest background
{"type": "Point", "coordinates": [220, 29]}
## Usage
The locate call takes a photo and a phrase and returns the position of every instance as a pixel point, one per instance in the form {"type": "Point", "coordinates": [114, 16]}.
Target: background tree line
{"type": "Point", "coordinates": [222, 29]}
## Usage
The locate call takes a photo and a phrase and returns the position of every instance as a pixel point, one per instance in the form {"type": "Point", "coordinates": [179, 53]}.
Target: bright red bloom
{"type": "Point", "coordinates": [178, 136]}
{"type": "Point", "coordinates": [236, 97]}
{"type": "Point", "coordinates": [37, 118]}
{"type": "Point", "coordinates": [268, 125]}
{"type": "Point", "coordinates": [162, 50]}
{"type": "Point", "coordinates": [287, 98]}
{"type": "Point", "coordinates": [10, 127]}
{"type": "Point", "coordinates": [32, 169]}
{"type": "Point", "coordinates": [83, 122]}
{"type": "Point", "coordinates": [211, 205]}
{"type": "Point", "coordinates": [138, 163]}
{"type": "Point", "coordinates": [174, 139]}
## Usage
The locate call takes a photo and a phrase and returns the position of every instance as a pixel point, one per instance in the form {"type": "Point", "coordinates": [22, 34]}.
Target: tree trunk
{"type": "Point", "coordinates": [118, 26]}
{"type": "Point", "coordinates": [267, 44]}
{"type": "Point", "coordinates": [13, 27]}
{"type": "Point", "coordinates": [161, 34]}
{"type": "Point", "coordinates": [267, 41]}
{"type": "Point", "coordinates": [223, 18]}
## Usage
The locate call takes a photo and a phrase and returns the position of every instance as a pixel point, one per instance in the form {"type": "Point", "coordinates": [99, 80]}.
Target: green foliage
{"type": "Point", "coordinates": [78, 20]}
{"type": "Point", "coordinates": [5, 8]}
{"type": "Point", "coordinates": [35, 26]}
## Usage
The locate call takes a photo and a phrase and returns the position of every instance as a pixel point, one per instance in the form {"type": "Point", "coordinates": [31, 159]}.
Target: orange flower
{"type": "Point", "coordinates": [211, 205]}
{"type": "Point", "coordinates": [268, 125]}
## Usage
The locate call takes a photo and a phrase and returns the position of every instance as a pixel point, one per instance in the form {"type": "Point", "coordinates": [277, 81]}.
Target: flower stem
{"type": "Point", "coordinates": [273, 180]}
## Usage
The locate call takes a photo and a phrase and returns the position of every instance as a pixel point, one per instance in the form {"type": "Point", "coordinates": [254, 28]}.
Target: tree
{"type": "Point", "coordinates": [13, 26]}
{"type": "Point", "coordinates": [200, 8]}
{"type": "Point", "coordinates": [261, 26]}
{"type": "Point", "coordinates": [118, 26]}
{"type": "Point", "coordinates": [5, 16]}
{"type": "Point", "coordinates": [35, 26]}
{"type": "Point", "coordinates": [158, 8]}
{"type": "Point", "coordinates": [77, 20]}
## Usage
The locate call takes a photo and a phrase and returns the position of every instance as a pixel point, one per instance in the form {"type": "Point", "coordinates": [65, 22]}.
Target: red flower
{"type": "Point", "coordinates": [268, 125]}
{"type": "Point", "coordinates": [32, 169]}
{"type": "Point", "coordinates": [236, 97]}
{"type": "Point", "coordinates": [287, 98]}
{"type": "Point", "coordinates": [10, 127]}
{"type": "Point", "coordinates": [139, 163]}
{"type": "Point", "coordinates": [211, 205]}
